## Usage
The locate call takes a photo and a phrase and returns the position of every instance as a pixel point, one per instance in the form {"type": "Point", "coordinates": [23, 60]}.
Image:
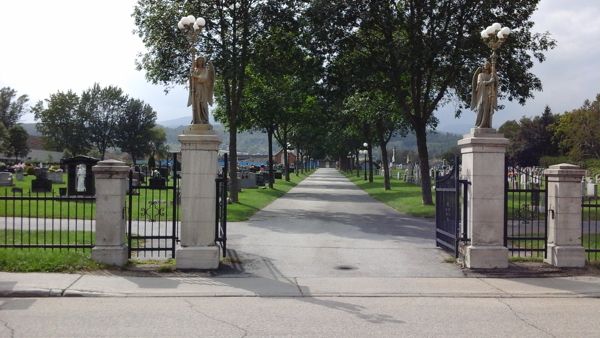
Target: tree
{"type": "Point", "coordinates": [11, 110]}
{"type": "Point", "coordinates": [531, 138]}
{"type": "Point", "coordinates": [157, 143]}
{"type": "Point", "coordinates": [16, 142]}
{"type": "Point", "coordinates": [230, 29]}
{"type": "Point", "coordinates": [134, 133]}
{"type": "Point", "coordinates": [579, 131]}
{"type": "Point", "coordinates": [427, 51]}
{"type": "Point", "coordinates": [62, 124]}
{"type": "Point", "coordinates": [102, 109]}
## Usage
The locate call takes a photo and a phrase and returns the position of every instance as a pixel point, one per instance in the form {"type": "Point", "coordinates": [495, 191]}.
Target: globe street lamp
{"type": "Point", "coordinates": [192, 27]}
{"type": "Point", "coordinates": [365, 145]}
{"type": "Point", "coordinates": [494, 36]}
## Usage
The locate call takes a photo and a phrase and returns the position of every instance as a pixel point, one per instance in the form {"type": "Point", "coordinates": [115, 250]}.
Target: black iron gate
{"type": "Point", "coordinates": [221, 208]}
{"type": "Point", "coordinates": [153, 214]}
{"type": "Point", "coordinates": [450, 210]}
{"type": "Point", "coordinates": [525, 210]}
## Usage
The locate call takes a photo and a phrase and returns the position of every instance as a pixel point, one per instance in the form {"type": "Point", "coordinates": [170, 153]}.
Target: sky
{"type": "Point", "coordinates": [50, 46]}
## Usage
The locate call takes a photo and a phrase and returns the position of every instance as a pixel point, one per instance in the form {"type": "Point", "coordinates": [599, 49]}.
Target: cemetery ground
{"type": "Point", "coordinates": [55, 260]}
{"type": "Point", "coordinates": [250, 201]}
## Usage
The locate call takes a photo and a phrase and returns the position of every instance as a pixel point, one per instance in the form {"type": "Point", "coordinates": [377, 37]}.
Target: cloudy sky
{"type": "Point", "coordinates": [70, 44]}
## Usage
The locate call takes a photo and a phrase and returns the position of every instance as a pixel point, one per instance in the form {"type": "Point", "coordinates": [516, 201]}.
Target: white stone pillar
{"type": "Point", "coordinates": [483, 152]}
{"type": "Point", "coordinates": [111, 188]}
{"type": "Point", "coordinates": [199, 150]}
{"type": "Point", "coordinates": [564, 216]}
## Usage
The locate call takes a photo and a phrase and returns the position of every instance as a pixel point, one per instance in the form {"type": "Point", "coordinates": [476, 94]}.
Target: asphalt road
{"type": "Point", "coordinates": [299, 317]}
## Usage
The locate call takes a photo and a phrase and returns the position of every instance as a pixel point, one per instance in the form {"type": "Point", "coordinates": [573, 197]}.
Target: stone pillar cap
{"type": "Point", "coordinates": [110, 165]}
{"type": "Point", "coordinates": [564, 166]}
{"type": "Point", "coordinates": [565, 169]}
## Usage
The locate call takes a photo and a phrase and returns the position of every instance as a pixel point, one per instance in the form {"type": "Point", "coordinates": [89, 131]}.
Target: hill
{"type": "Point", "coordinates": [256, 142]}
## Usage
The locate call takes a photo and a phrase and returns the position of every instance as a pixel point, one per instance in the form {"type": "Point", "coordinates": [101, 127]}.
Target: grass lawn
{"type": "Point", "coordinates": [46, 260]}
{"type": "Point", "coordinates": [404, 197]}
{"type": "Point", "coordinates": [252, 200]}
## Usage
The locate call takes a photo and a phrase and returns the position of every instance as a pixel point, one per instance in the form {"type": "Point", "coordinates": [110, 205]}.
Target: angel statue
{"type": "Point", "coordinates": [202, 83]}
{"type": "Point", "coordinates": [483, 95]}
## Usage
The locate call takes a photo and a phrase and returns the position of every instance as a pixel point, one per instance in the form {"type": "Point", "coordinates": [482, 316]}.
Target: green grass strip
{"type": "Point", "coordinates": [404, 197]}
{"type": "Point", "coordinates": [253, 200]}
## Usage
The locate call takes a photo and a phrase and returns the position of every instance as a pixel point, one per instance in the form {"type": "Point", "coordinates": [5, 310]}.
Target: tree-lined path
{"type": "Point", "coordinates": [328, 227]}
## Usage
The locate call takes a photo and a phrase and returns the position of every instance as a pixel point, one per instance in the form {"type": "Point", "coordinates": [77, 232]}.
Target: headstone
{"type": "Point", "coordinates": [56, 177]}
{"type": "Point", "coordinates": [41, 184]}
{"type": "Point", "coordinates": [80, 178]}
{"type": "Point", "coordinates": [248, 180]}
{"type": "Point", "coordinates": [6, 179]}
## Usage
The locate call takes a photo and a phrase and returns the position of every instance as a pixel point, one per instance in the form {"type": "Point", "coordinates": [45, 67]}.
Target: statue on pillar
{"type": "Point", "coordinates": [202, 83]}
{"type": "Point", "coordinates": [484, 99]}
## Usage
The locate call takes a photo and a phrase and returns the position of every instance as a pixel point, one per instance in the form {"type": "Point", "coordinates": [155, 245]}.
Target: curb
{"type": "Point", "coordinates": [47, 293]}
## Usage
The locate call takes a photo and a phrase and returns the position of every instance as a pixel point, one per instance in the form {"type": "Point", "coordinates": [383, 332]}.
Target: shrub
{"type": "Point", "coordinates": [29, 170]}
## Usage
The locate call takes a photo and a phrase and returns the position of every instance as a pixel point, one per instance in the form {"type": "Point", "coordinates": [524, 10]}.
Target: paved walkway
{"type": "Point", "coordinates": [326, 226]}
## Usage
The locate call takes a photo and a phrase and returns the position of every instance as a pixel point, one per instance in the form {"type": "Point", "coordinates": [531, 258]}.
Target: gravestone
{"type": "Point", "coordinates": [41, 183]}
{"type": "Point", "coordinates": [6, 179]}
{"type": "Point", "coordinates": [247, 180]}
{"type": "Point", "coordinates": [80, 178]}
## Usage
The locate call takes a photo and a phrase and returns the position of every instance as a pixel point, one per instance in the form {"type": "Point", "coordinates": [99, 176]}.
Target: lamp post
{"type": "Point", "coordinates": [192, 27]}
{"type": "Point", "coordinates": [365, 145]}
{"type": "Point", "coordinates": [494, 37]}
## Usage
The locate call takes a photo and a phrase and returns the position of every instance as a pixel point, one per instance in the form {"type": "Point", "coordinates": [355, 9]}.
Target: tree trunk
{"type": "Point", "coordinates": [420, 132]}
{"type": "Point", "coordinates": [357, 163]}
{"type": "Point", "coordinates": [297, 163]}
{"type": "Point", "coordinates": [233, 192]}
{"type": "Point", "coordinates": [370, 151]}
{"type": "Point", "coordinates": [384, 155]}
{"type": "Point", "coordinates": [270, 136]}
{"type": "Point", "coordinates": [385, 164]}
{"type": "Point", "coordinates": [286, 167]}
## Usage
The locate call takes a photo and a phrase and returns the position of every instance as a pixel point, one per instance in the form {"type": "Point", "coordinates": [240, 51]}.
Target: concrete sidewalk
{"type": "Point", "coordinates": [87, 285]}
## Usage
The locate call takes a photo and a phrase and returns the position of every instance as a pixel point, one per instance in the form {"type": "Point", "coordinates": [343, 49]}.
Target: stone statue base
{"type": "Point", "coordinates": [199, 149]}
{"type": "Point", "coordinates": [483, 152]}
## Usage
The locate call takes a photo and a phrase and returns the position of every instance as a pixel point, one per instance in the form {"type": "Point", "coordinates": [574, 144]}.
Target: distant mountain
{"type": "Point", "coordinates": [174, 123]}
{"type": "Point", "coordinates": [30, 128]}
{"type": "Point", "coordinates": [256, 142]}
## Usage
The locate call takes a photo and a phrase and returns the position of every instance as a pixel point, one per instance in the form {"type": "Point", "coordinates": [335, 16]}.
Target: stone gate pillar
{"type": "Point", "coordinates": [199, 150]}
{"type": "Point", "coordinates": [483, 152]}
{"type": "Point", "coordinates": [111, 188]}
{"type": "Point", "coordinates": [564, 216]}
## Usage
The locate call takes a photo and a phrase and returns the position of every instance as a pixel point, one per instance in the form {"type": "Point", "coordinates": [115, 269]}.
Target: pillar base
{"type": "Point", "coordinates": [565, 256]}
{"type": "Point", "coordinates": [117, 255]}
{"type": "Point", "coordinates": [486, 257]}
{"type": "Point", "coordinates": [197, 257]}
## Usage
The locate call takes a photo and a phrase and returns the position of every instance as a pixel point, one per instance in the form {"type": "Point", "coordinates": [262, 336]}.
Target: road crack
{"type": "Point", "coordinates": [62, 293]}
{"type": "Point", "coordinates": [193, 308]}
{"type": "Point", "coordinates": [522, 319]}
{"type": "Point", "coordinates": [10, 329]}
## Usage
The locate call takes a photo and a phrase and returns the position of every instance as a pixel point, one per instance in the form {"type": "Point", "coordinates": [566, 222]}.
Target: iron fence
{"type": "Point", "coordinates": [153, 213]}
{"type": "Point", "coordinates": [46, 220]}
{"type": "Point", "coordinates": [590, 227]}
{"type": "Point", "coordinates": [221, 208]}
{"type": "Point", "coordinates": [525, 210]}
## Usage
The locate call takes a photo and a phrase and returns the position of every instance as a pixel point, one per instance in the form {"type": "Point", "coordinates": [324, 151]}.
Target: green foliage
{"type": "Point", "coordinates": [11, 110]}
{"type": "Point", "coordinates": [531, 138]}
{"type": "Point", "coordinates": [102, 108]}
{"type": "Point", "coordinates": [62, 123]}
{"type": "Point", "coordinates": [546, 161]}
{"type": "Point", "coordinates": [16, 142]}
{"type": "Point", "coordinates": [98, 119]}
{"type": "Point", "coordinates": [135, 129]}
{"type": "Point", "coordinates": [578, 131]}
